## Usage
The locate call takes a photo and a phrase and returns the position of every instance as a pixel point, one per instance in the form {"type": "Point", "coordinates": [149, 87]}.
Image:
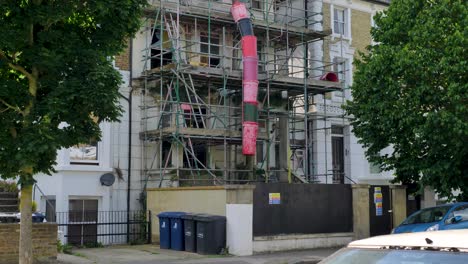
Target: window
{"type": "Point", "coordinates": [161, 49]}
{"type": "Point", "coordinates": [82, 210]}
{"type": "Point", "coordinates": [260, 154]}
{"type": "Point", "coordinates": [374, 168]}
{"type": "Point", "coordinates": [461, 211]}
{"type": "Point", "coordinates": [199, 157]}
{"type": "Point", "coordinates": [82, 219]}
{"type": "Point", "coordinates": [280, 4]}
{"type": "Point", "coordinates": [342, 68]}
{"type": "Point", "coordinates": [210, 49]}
{"type": "Point", "coordinates": [195, 117]}
{"type": "Point", "coordinates": [428, 215]}
{"type": "Point", "coordinates": [50, 210]}
{"type": "Point", "coordinates": [256, 4]}
{"type": "Point", "coordinates": [341, 22]}
{"type": "Point", "coordinates": [166, 154]}
{"type": "Point", "coordinates": [86, 153]}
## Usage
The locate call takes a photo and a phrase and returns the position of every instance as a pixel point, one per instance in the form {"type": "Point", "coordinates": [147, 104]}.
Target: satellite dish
{"type": "Point", "coordinates": [107, 179]}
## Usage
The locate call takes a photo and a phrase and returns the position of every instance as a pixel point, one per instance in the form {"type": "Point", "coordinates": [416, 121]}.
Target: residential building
{"type": "Point", "coordinates": [184, 73]}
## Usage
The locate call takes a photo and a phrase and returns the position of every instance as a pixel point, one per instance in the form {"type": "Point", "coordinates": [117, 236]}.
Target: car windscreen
{"type": "Point", "coordinates": [389, 256]}
{"type": "Point", "coordinates": [428, 215]}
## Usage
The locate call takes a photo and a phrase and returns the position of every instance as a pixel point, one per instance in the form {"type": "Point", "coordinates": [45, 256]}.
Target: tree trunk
{"type": "Point", "coordinates": [25, 243]}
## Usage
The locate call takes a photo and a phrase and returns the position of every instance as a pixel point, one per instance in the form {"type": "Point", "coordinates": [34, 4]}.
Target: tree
{"type": "Point", "coordinates": [410, 94]}
{"type": "Point", "coordinates": [56, 80]}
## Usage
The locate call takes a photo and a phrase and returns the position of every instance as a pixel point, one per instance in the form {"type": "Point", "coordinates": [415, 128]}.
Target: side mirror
{"type": "Point", "coordinates": [457, 219]}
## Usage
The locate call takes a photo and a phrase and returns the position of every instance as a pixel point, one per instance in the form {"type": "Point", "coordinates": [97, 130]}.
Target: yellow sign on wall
{"type": "Point", "coordinates": [274, 198]}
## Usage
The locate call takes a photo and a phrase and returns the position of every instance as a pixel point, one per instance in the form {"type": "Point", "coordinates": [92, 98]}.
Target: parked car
{"type": "Point", "coordinates": [37, 217]}
{"type": "Point", "coordinates": [442, 217]}
{"type": "Point", "coordinates": [447, 247]}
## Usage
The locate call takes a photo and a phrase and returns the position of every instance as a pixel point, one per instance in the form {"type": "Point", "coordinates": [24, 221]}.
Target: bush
{"type": "Point", "coordinates": [6, 186]}
{"type": "Point", "coordinates": [61, 248]}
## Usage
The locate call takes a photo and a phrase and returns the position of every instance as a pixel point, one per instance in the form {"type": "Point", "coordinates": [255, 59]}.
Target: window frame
{"type": "Point", "coordinates": [94, 162]}
{"type": "Point", "coordinates": [103, 164]}
{"type": "Point", "coordinates": [346, 23]}
{"type": "Point", "coordinates": [210, 56]}
{"type": "Point", "coordinates": [452, 214]}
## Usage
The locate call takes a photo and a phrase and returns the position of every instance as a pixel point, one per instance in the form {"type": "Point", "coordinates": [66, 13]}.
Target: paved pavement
{"type": "Point", "coordinates": [143, 254]}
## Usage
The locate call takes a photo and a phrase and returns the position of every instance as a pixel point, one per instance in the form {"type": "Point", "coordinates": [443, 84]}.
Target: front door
{"type": "Point", "coordinates": [338, 159]}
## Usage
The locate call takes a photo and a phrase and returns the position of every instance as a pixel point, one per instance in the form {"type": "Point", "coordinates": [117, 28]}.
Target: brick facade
{"type": "Point", "coordinates": [122, 60]}
{"type": "Point", "coordinates": [44, 242]}
{"type": "Point", "coordinates": [360, 30]}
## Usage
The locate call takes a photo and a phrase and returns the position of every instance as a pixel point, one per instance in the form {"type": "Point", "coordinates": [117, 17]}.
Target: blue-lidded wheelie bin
{"type": "Point", "coordinates": [38, 218]}
{"type": "Point", "coordinates": [177, 231]}
{"type": "Point", "coordinates": [165, 229]}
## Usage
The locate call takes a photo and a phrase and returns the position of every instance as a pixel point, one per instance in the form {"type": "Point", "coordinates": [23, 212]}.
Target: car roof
{"type": "Point", "coordinates": [443, 205]}
{"type": "Point", "coordinates": [445, 239]}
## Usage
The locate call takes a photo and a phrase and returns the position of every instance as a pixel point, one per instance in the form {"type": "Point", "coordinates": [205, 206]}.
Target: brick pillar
{"type": "Point", "coordinates": [361, 221]}
{"type": "Point", "coordinates": [398, 204]}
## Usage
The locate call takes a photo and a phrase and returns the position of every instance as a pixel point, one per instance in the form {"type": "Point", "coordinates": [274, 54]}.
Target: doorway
{"type": "Point", "coordinates": [82, 219]}
{"type": "Point", "coordinates": [338, 154]}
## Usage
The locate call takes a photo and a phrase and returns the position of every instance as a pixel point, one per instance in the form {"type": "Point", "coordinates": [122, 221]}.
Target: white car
{"type": "Point", "coordinates": [441, 247]}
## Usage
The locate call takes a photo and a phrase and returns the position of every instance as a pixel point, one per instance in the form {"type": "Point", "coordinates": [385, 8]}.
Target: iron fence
{"type": "Point", "coordinates": [94, 228]}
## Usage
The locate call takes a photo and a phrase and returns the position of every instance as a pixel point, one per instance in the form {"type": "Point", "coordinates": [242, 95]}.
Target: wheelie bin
{"type": "Point", "coordinates": [177, 231]}
{"type": "Point", "coordinates": [211, 233]}
{"type": "Point", "coordinates": [190, 232]}
{"type": "Point", "coordinates": [166, 233]}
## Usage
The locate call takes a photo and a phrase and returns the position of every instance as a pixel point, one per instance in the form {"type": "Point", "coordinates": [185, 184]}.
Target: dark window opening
{"type": "Point", "coordinates": [166, 153]}
{"type": "Point", "coordinates": [210, 49]}
{"type": "Point", "coordinates": [160, 50]}
{"type": "Point", "coordinates": [200, 156]}
{"type": "Point", "coordinates": [195, 117]}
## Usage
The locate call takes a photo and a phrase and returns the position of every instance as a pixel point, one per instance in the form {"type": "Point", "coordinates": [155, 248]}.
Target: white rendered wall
{"type": "Point", "coordinates": [239, 233]}
{"type": "Point", "coordinates": [300, 242]}
{"type": "Point", "coordinates": [82, 181]}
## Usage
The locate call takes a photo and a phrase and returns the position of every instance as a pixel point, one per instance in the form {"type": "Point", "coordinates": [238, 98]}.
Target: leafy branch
{"type": "Point", "coordinates": [9, 106]}
{"type": "Point", "coordinates": [17, 67]}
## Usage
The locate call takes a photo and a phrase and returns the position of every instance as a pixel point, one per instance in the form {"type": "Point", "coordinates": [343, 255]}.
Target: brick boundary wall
{"type": "Point", "coordinates": [44, 242]}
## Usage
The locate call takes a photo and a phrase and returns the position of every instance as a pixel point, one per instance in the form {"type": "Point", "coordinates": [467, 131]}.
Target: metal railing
{"type": "Point", "coordinates": [94, 228]}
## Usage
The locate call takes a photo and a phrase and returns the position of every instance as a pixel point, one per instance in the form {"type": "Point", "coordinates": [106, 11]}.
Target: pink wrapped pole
{"type": "Point", "coordinates": [239, 11]}
{"type": "Point", "coordinates": [249, 138]}
{"type": "Point", "coordinates": [249, 76]}
{"type": "Point", "coordinates": [250, 91]}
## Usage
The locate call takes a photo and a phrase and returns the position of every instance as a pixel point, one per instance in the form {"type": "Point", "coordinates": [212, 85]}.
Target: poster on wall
{"type": "Point", "coordinates": [378, 201]}
{"type": "Point", "coordinates": [378, 198]}
{"type": "Point", "coordinates": [378, 209]}
{"type": "Point", "coordinates": [274, 198]}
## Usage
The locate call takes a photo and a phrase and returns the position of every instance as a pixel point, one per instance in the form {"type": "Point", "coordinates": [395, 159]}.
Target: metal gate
{"type": "Point", "coordinates": [93, 228]}
{"type": "Point", "coordinates": [380, 215]}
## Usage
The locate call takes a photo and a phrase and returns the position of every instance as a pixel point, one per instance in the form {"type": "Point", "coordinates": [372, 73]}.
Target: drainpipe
{"type": "Point", "coordinates": [129, 173]}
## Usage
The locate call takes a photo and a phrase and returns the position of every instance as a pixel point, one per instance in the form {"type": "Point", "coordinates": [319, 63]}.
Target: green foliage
{"type": "Point", "coordinates": [410, 93]}
{"type": "Point", "coordinates": [6, 186]}
{"type": "Point", "coordinates": [93, 245]}
{"type": "Point", "coordinates": [61, 248]}
{"type": "Point", "coordinates": [55, 70]}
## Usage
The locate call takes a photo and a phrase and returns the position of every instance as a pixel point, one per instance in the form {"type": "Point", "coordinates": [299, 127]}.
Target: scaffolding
{"type": "Point", "coordinates": [192, 87]}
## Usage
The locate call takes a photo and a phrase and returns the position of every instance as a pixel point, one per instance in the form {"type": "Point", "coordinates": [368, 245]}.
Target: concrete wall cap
{"type": "Point", "coordinates": [240, 187]}
{"type": "Point", "coordinates": [360, 186]}
{"type": "Point", "coordinates": [195, 188]}
{"type": "Point", "coordinates": [398, 186]}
